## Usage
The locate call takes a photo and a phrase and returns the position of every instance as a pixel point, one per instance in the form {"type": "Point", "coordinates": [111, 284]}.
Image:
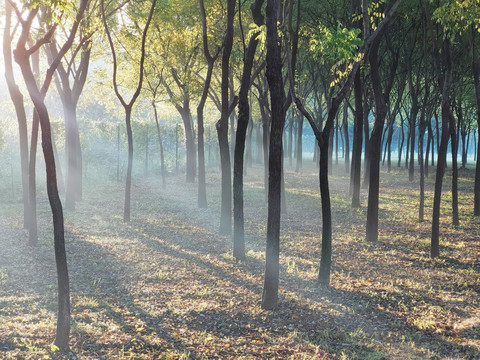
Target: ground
{"type": "Point", "coordinates": [165, 285]}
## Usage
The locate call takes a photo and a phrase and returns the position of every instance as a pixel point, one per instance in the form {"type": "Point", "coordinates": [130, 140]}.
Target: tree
{"type": "Point", "coordinates": [17, 99]}
{"type": "Point", "coordinates": [381, 100]}
{"type": "Point", "coordinates": [277, 99]}
{"type": "Point", "coordinates": [222, 126]}
{"type": "Point", "coordinates": [70, 80]}
{"type": "Point", "coordinates": [128, 106]}
{"type": "Point", "coordinates": [22, 56]}
{"type": "Point", "coordinates": [202, 191]}
{"type": "Point", "coordinates": [243, 119]}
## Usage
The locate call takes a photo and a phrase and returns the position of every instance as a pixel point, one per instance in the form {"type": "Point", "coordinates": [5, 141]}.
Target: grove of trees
{"type": "Point", "coordinates": [382, 78]}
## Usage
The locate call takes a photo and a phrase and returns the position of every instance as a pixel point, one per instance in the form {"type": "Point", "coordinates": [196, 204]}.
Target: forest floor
{"type": "Point", "coordinates": [165, 285]}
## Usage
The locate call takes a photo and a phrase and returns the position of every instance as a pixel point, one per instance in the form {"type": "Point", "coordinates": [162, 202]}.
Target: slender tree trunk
{"type": "Point", "coordinates": [222, 127]}
{"type": "Point", "coordinates": [17, 100]}
{"type": "Point", "coordinates": [32, 188]}
{"type": "Point", "coordinates": [367, 157]}
{"type": "Point", "coordinates": [274, 77]}
{"type": "Point", "coordinates": [346, 145]}
{"type": "Point", "coordinates": [357, 142]}
{"type": "Point", "coordinates": [128, 180]}
{"type": "Point", "coordinates": [299, 151]}
{"type": "Point", "coordinates": [476, 81]}
{"type": "Point", "coordinates": [429, 144]}
{"type": "Point", "coordinates": [401, 139]}
{"type": "Point", "coordinates": [326, 257]}
{"type": "Point", "coordinates": [242, 125]}
{"type": "Point", "coordinates": [290, 142]}
{"type": "Point", "coordinates": [258, 141]}
{"type": "Point", "coordinates": [375, 143]}
{"type": "Point", "coordinates": [160, 144]}
{"type": "Point", "coordinates": [191, 166]}
{"type": "Point", "coordinates": [248, 153]}
{"type": "Point", "coordinates": [442, 157]}
{"type": "Point", "coordinates": [454, 144]}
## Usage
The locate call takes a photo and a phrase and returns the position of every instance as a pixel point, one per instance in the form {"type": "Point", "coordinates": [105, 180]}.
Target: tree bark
{"type": "Point", "coordinates": [17, 100]}
{"type": "Point", "coordinates": [375, 144]}
{"type": "Point", "coordinates": [357, 142]}
{"type": "Point", "coordinates": [222, 127]}
{"type": "Point", "coordinates": [242, 125]}
{"type": "Point", "coordinates": [442, 153]}
{"type": "Point", "coordinates": [277, 99]}
{"type": "Point", "coordinates": [22, 57]}
{"type": "Point", "coordinates": [476, 81]}
{"type": "Point", "coordinates": [160, 144]}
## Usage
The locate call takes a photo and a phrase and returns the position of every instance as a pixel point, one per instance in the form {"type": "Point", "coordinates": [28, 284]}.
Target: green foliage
{"type": "Point", "coordinates": [458, 15]}
{"type": "Point", "coordinates": [262, 34]}
{"type": "Point", "coordinates": [335, 46]}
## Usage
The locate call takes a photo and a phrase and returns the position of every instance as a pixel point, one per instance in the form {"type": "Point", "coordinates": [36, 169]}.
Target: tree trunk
{"type": "Point", "coordinates": [191, 162]}
{"type": "Point", "coordinates": [375, 144]}
{"type": "Point", "coordinates": [222, 127]}
{"type": "Point", "coordinates": [290, 142]}
{"type": "Point", "coordinates": [454, 144]}
{"type": "Point", "coordinates": [346, 145]}
{"type": "Point", "coordinates": [442, 157]}
{"type": "Point", "coordinates": [32, 188]}
{"type": "Point", "coordinates": [299, 151]}
{"type": "Point", "coordinates": [326, 257]}
{"type": "Point", "coordinates": [128, 181]}
{"type": "Point", "coordinates": [366, 131]}
{"type": "Point", "coordinates": [401, 140]}
{"type": "Point", "coordinates": [259, 142]}
{"type": "Point", "coordinates": [357, 142]}
{"type": "Point", "coordinates": [274, 77]}
{"type": "Point", "coordinates": [160, 144]}
{"type": "Point", "coordinates": [242, 125]}
{"type": "Point", "coordinates": [17, 100]}
{"type": "Point", "coordinates": [248, 152]}
{"type": "Point", "coordinates": [476, 81]}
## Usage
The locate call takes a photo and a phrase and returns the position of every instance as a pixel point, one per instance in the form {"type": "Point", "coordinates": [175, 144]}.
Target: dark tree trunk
{"type": "Point", "coordinates": [299, 151]}
{"type": "Point", "coordinates": [366, 135]}
{"type": "Point", "coordinates": [381, 100]}
{"type": "Point", "coordinates": [442, 154]}
{"type": "Point", "coordinates": [401, 136]}
{"type": "Point", "coordinates": [476, 78]}
{"type": "Point", "coordinates": [191, 166]}
{"type": "Point", "coordinates": [429, 144]}
{"type": "Point", "coordinates": [248, 152]}
{"type": "Point", "coordinates": [326, 257]}
{"type": "Point", "coordinates": [336, 141]}
{"type": "Point", "coordinates": [290, 142]}
{"type": "Point", "coordinates": [222, 127]}
{"type": "Point", "coordinates": [128, 106]}
{"type": "Point", "coordinates": [454, 145]}
{"type": "Point", "coordinates": [357, 142]}
{"type": "Point", "coordinates": [258, 141]}
{"type": "Point", "coordinates": [346, 145]}
{"type": "Point", "coordinates": [202, 187]}
{"type": "Point", "coordinates": [22, 57]}
{"type": "Point", "coordinates": [389, 145]}
{"type": "Point", "coordinates": [243, 119]}
{"type": "Point", "coordinates": [421, 134]}
{"type": "Point", "coordinates": [407, 151]}
{"type": "Point", "coordinates": [274, 77]}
